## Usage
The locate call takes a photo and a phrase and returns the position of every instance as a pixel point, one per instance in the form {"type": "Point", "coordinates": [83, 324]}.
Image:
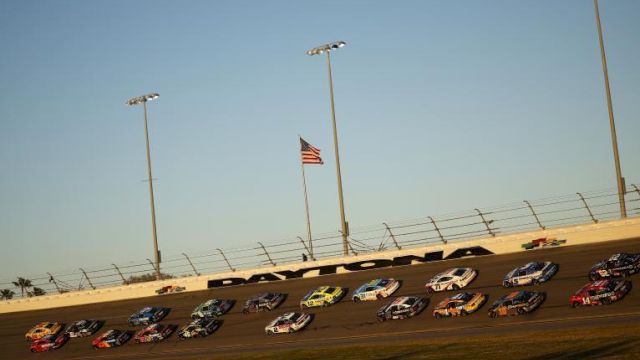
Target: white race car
{"type": "Point", "coordinates": [530, 274]}
{"type": "Point", "coordinates": [375, 290]}
{"type": "Point", "coordinates": [288, 323]}
{"type": "Point", "coordinates": [452, 279]}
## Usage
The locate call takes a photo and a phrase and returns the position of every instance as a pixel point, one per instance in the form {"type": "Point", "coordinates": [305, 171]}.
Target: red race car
{"type": "Point", "coordinates": [49, 342]}
{"type": "Point", "coordinates": [154, 333]}
{"type": "Point", "coordinates": [600, 292]}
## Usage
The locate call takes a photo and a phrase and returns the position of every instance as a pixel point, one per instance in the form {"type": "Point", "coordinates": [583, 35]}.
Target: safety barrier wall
{"type": "Point", "coordinates": [564, 236]}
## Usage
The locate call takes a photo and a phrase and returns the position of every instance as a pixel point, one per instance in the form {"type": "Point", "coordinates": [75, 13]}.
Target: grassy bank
{"type": "Point", "coordinates": [592, 343]}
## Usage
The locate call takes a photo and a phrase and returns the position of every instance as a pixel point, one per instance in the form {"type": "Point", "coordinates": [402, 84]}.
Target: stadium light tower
{"type": "Point", "coordinates": [612, 125]}
{"type": "Point", "coordinates": [136, 101]}
{"type": "Point", "coordinates": [327, 48]}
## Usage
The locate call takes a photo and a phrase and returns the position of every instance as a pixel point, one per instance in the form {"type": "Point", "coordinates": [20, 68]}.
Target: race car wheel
{"type": "Point", "coordinates": [626, 274]}
{"type": "Point", "coordinates": [493, 315]}
{"type": "Point", "coordinates": [269, 332]}
{"type": "Point", "coordinates": [535, 282]}
{"type": "Point", "coordinates": [606, 301]}
{"type": "Point", "coordinates": [379, 297]}
{"type": "Point", "coordinates": [594, 277]}
{"type": "Point", "coordinates": [429, 290]}
{"type": "Point", "coordinates": [521, 311]}
{"type": "Point", "coordinates": [575, 304]}
{"type": "Point", "coordinates": [356, 299]}
{"type": "Point", "coordinates": [437, 315]}
{"type": "Point", "coordinates": [463, 313]}
{"type": "Point", "coordinates": [455, 287]}
{"type": "Point", "coordinates": [137, 341]}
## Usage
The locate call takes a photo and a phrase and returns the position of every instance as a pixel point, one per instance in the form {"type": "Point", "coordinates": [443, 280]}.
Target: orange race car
{"type": "Point", "coordinates": [461, 304]}
{"type": "Point", "coordinates": [43, 329]}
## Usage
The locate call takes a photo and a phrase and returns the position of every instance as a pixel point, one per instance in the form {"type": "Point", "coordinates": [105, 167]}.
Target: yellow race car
{"type": "Point", "coordinates": [461, 304]}
{"type": "Point", "coordinates": [43, 329]}
{"type": "Point", "coordinates": [323, 296]}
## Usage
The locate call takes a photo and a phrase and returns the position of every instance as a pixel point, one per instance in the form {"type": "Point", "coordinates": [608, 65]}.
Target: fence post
{"type": "Point", "coordinates": [190, 263]}
{"type": "Point", "coordinates": [486, 223]}
{"type": "Point", "coordinates": [437, 229]}
{"type": "Point", "coordinates": [88, 280]}
{"type": "Point", "coordinates": [226, 260]}
{"type": "Point", "coordinates": [393, 237]}
{"type": "Point", "coordinates": [124, 281]}
{"type": "Point", "coordinates": [534, 214]}
{"type": "Point", "coordinates": [266, 253]}
{"type": "Point", "coordinates": [587, 207]}
{"type": "Point", "coordinates": [154, 267]}
{"type": "Point", "coordinates": [55, 283]}
{"type": "Point", "coordinates": [306, 248]}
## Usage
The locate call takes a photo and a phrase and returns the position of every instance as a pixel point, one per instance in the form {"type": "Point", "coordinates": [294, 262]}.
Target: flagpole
{"type": "Point", "coordinates": [306, 206]}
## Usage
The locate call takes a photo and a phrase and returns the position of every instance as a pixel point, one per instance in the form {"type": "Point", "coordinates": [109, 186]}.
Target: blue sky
{"type": "Point", "coordinates": [441, 106]}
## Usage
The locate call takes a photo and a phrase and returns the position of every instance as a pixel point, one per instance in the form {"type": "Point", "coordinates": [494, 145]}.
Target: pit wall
{"type": "Point", "coordinates": [565, 236]}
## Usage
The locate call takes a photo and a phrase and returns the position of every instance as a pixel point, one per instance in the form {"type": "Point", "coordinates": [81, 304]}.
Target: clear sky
{"type": "Point", "coordinates": [441, 106]}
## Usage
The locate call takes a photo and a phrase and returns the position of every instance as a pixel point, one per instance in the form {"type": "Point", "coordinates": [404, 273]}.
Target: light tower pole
{"type": "Point", "coordinates": [136, 101]}
{"type": "Point", "coordinates": [327, 48]}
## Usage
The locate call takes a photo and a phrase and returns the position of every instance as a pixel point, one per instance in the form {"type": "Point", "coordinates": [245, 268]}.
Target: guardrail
{"type": "Point", "coordinates": [578, 208]}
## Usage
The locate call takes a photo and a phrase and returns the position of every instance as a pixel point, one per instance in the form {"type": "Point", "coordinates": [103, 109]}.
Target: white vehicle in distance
{"type": "Point", "coordinates": [375, 290]}
{"type": "Point", "coordinates": [288, 323]}
{"type": "Point", "coordinates": [530, 274]}
{"type": "Point", "coordinates": [452, 279]}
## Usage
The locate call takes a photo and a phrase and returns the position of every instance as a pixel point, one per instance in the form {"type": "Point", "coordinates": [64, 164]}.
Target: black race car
{"type": "Point", "coordinates": [82, 328]}
{"type": "Point", "coordinates": [402, 308]}
{"type": "Point", "coordinates": [621, 264]}
{"type": "Point", "coordinates": [199, 328]}
{"type": "Point", "coordinates": [263, 302]}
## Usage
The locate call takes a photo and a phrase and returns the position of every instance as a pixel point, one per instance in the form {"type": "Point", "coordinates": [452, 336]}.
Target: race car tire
{"type": "Point", "coordinates": [507, 284]}
{"type": "Point", "coordinates": [626, 274]}
{"type": "Point", "coordinates": [356, 299]}
{"type": "Point", "coordinates": [575, 304]}
{"type": "Point", "coordinates": [269, 332]}
{"type": "Point", "coordinates": [455, 287]}
{"type": "Point", "coordinates": [521, 311]}
{"type": "Point", "coordinates": [429, 290]}
{"type": "Point", "coordinates": [379, 297]}
{"type": "Point", "coordinates": [493, 315]}
{"type": "Point", "coordinates": [535, 282]}
{"type": "Point", "coordinates": [605, 301]}
{"type": "Point", "coordinates": [437, 315]}
{"type": "Point", "coordinates": [594, 277]}
{"type": "Point", "coordinates": [463, 313]}
{"type": "Point", "coordinates": [137, 341]}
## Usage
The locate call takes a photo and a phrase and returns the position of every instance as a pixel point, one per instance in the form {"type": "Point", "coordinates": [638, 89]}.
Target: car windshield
{"type": "Point", "coordinates": [330, 290]}
{"type": "Point", "coordinates": [383, 282]}
{"type": "Point", "coordinates": [295, 317]}
{"type": "Point", "coordinates": [410, 301]}
{"type": "Point", "coordinates": [49, 325]}
{"type": "Point", "coordinates": [523, 296]}
{"type": "Point", "coordinates": [612, 285]}
{"type": "Point", "coordinates": [459, 272]}
{"type": "Point", "coordinates": [269, 296]}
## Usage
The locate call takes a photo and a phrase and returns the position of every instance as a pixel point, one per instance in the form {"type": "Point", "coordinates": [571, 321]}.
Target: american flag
{"type": "Point", "coordinates": [310, 154]}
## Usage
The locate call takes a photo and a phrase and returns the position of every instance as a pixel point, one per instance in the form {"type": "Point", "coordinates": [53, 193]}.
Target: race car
{"type": "Point", "coordinates": [288, 323]}
{"type": "Point", "coordinates": [621, 264]}
{"type": "Point", "coordinates": [461, 304]}
{"type": "Point", "coordinates": [211, 308]}
{"type": "Point", "coordinates": [600, 292]}
{"type": "Point", "coordinates": [198, 328]}
{"type": "Point", "coordinates": [322, 296]}
{"type": "Point", "coordinates": [517, 303]}
{"type": "Point", "coordinates": [49, 342]}
{"type": "Point", "coordinates": [375, 290]}
{"type": "Point", "coordinates": [169, 289]}
{"type": "Point", "coordinates": [82, 328]}
{"type": "Point", "coordinates": [263, 302]}
{"type": "Point", "coordinates": [154, 333]}
{"type": "Point", "coordinates": [43, 329]}
{"type": "Point", "coordinates": [148, 315]}
{"type": "Point", "coordinates": [530, 274]}
{"type": "Point", "coordinates": [111, 338]}
{"type": "Point", "coordinates": [402, 308]}
{"type": "Point", "coordinates": [452, 279]}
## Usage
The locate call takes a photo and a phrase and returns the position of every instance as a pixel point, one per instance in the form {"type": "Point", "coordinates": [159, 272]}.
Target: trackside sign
{"type": "Point", "coordinates": [349, 267]}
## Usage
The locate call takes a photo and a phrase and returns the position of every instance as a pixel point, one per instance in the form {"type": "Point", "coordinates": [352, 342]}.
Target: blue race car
{"type": "Point", "coordinates": [148, 315]}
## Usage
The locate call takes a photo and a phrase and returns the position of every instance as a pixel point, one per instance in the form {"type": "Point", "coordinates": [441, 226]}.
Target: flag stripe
{"type": "Point", "coordinates": [310, 154]}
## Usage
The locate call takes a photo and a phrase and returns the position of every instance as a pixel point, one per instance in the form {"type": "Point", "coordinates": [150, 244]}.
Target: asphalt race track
{"type": "Point", "coordinates": [345, 322]}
